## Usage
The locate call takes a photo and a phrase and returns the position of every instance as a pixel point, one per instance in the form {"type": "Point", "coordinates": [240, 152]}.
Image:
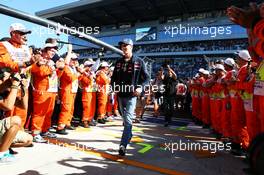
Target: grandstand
{"type": "Point", "coordinates": [179, 32]}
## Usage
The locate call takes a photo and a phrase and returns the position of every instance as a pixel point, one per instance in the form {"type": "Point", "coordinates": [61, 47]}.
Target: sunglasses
{"type": "Point", "coordinates": [37, 51]}
{"type": "Point", "coordinates": [20, 33]}
{"type": "Point", "coordinates": [52, 49]}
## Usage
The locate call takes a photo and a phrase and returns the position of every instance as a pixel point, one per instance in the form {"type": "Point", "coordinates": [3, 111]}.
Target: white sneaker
{"type": "Point", "coordinates": [110, 118]}
{"type": "Point", "coordinates": [122, 150]}
{"type": "Point", "coordinates": [39, 139]}
{"type": "Point", "coordinates": [7, 158]}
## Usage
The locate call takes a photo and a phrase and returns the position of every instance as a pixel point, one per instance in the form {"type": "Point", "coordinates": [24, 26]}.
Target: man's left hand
{"type": "Point", "coordinates": [137, 92]}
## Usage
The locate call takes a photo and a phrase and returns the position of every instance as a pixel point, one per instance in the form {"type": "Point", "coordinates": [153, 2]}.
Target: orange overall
{"type": "Point", "coordinates": [43, 97]}
{"type": "Point", "coordinates": [200, 81]}
{"type": "Point", "coordinates": [258, 47]}
{"type": "Point", "coordinates": [226, 112]}
{"type": "Point", "coordinates": [259, 95]}
{"type": "Point", "coordinates": [103, 81]}
{"type": "Point", "coordinates": [218, 106]}
{"type": "Point", "coordinates": [213, 107]}
{"type": "Point", "coordinates": [211, 104]}
{"type": "Point", "coordinates": [5, 59]}
{"type": "Point", "coordinates": [205, 105]}
{"type": "Point", "coordinates": [252, 121]}
{"type": "Point", "coordinates": [238, 117]}
{"type": "Point", "coordinates": [68, 90]}
{"type": "Point", "coordinates": [195, 101]}
{"type": "Point", "coordinates": [88, 97]}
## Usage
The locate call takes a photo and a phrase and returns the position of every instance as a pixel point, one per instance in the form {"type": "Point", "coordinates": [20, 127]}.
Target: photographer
{"type": "Point", "coordinates": [23, 139]}
{"type": "Point", "coordinates": [19, 109]}
{"type": "Point", "coordinates": [9, 126]}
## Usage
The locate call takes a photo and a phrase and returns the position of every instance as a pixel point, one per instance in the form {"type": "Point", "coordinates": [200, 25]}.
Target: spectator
{"type": "Point", "coordinates": [169, 95]}
{"type": "Point", "coordinates": [9, 126]}
{"type": "Point", "coordinates": [158, 94]}
{"type": "Point", "coordinates": [181, 90]}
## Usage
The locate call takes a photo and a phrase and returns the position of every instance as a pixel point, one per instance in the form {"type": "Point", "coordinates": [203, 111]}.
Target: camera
{"type": "Point", "coordinates": [2, 72]}
{"type": "Point", "coordinates": [36, 51]}
{"type": "Point", "coordinates": [165, 65]}
{"type": "Point", "coordinates": [22, 76]}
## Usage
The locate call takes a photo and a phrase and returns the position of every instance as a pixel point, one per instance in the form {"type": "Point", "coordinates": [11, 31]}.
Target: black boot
{"type": "Point", "coordinates": [61, 131]}
{"type": "Point", "coordinates": [11, 151]}
{"type": "Point", "coordinates": [101, 121]}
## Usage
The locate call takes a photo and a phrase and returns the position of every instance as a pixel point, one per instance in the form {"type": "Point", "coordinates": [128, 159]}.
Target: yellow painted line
{"type": "Point", "coordinates": [134, 138]}
{"type": "Point", "coordinates": [117, 158]}
{"type": "Point", "coordinates": [136, 129]}
{"type": "Point", "coordinates": [137, 139]}
{"type": "Point", "coordinates": [80, 129]}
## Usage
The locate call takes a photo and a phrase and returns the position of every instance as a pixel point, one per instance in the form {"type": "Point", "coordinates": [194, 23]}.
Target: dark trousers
{"type": "Point", "coordinates": [169, 107]}
{"type": "Point", "coordinates": [187, 104]}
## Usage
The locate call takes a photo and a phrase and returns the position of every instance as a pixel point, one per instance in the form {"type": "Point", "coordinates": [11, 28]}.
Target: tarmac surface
{"type": "Point", "coordinates": [182, 148]}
